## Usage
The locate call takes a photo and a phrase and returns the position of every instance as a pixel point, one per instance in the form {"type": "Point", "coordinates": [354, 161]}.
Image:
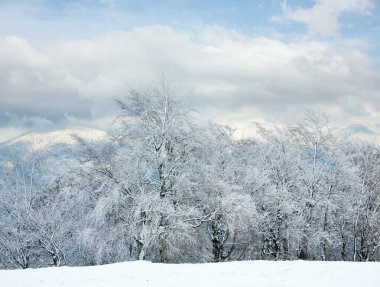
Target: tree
{"type": "Point", "coordinates": [366, 218]}
{"type": "Point", "coordinates": [144, 188]}
{"type": "Point", "coordinates": [229, 212]}
{"type": "Point", "coordinates": [279, 201]}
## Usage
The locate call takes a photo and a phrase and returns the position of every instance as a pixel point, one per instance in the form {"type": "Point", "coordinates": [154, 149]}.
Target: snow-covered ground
{"type": "Point", "coordinates": [254, 273]}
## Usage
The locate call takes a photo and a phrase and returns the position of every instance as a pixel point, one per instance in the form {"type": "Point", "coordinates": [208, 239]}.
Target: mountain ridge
{"type": "Point", "coordinates": [37, 141]}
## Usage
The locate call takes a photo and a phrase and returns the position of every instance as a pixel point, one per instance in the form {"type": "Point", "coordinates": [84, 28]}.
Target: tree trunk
{"type": "Point", "coordinates": [162, 244]}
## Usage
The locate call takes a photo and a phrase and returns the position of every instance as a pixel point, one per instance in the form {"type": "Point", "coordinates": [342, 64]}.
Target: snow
{"type": "Point", "coordinates": [41, 141]}
{"type": "Point", "coordinates": [249, 273]}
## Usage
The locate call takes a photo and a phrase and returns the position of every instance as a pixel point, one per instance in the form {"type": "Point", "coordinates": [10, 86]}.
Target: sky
{"type": "Point", "coordinates": [236, 62]}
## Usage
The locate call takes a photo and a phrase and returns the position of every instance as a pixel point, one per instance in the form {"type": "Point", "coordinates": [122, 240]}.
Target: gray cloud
{"type": "Point", "coordinates": [228, 76]}
{"type": "Point", "coordinates": [32, 91]}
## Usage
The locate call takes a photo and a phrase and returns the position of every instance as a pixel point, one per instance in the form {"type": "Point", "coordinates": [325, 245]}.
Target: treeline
{"type": "Point", "coordinates": [168, 187]}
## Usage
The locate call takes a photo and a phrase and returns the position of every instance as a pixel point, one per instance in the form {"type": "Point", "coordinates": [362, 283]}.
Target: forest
{"type": "Point", "coordinates": [168, 187]}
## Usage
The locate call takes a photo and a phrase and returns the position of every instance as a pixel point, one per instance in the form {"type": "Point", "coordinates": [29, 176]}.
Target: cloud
{"type": "Point", "coordinates": [32, 87]}
{"type": "Point", "coordinates": [324, 16]}
{"type": "Point", "coordinates": [228, 76]}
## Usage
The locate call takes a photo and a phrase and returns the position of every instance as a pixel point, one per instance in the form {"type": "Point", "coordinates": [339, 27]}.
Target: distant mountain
{"type": "Point", "coordinates": [58, 149]}
{"type": "Point", "coordinates": [43, 141]}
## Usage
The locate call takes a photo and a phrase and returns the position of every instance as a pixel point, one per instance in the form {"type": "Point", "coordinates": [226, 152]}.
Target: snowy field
{"type": "Point", "coordinates": [254, 273]}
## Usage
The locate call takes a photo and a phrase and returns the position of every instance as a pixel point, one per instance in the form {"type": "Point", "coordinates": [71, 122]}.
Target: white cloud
{"type": "Point", "coordinates": [226, 75]}
{"type": "Point", "coordinates": [323, 17]}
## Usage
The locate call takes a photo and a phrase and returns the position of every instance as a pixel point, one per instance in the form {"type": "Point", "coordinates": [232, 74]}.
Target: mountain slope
{"type": "Point", "coordinates": [43, 141]}
{"type": "Point", "coordinates": [56, 151]}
